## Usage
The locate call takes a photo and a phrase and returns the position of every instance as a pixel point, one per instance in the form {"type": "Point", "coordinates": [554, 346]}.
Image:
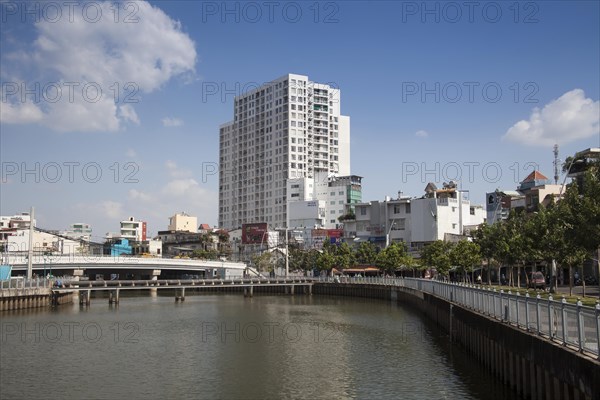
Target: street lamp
{"type": "Point", "coordinates": [387, 235]}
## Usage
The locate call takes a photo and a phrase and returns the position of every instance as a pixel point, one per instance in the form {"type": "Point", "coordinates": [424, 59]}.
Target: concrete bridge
{"type": "Point", "coordinates": [70, 264]}
{"type": "Point", "coordinates": [85, 288]}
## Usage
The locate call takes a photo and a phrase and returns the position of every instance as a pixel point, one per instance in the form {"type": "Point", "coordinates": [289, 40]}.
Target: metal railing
{"type": "Point", "coordinates": [573, 325]}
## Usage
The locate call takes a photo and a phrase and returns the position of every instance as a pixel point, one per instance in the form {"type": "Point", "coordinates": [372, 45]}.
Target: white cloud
{"type": "Point", "coordinates": [20, 113]}
{"type": "Point", "coordinates": [123, 59]}
{"type": "Point", "coordinates": [422, 134]}
{"type": "Point", "coordinates": [106, 209]}
{"type": "Point", "coordinates": [178, 194]}
{"type": "Point", "coordinates": [127, 112]}
{"type": "Point", "coordinates": [569, 118]}
{"type": "Point", "coordinates": [176, 172]}
{"type": "Point", "coordinates": [137, 195]}
{"type": "Point", "coordinates": [171, 122]}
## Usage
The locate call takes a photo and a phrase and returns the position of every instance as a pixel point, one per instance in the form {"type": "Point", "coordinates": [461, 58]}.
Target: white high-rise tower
{"type": "Point", "coordinates": [286, 136]}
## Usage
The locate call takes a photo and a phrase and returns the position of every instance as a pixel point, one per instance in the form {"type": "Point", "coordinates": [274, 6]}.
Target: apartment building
{"type": "Point", "coordinates": [285, 136]}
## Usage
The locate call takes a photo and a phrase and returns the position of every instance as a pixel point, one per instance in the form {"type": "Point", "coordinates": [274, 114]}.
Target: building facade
{"type": "Point", "coordinates": [283, 137]}
{"type": "Point", "coordinates": [79, 230]}
{"type": "Point", "coordinates": [181, 222]}
{"type": "Point", "coordinates": [441, 214]}
{"type": "Point", "coordinates": [133, 230]}
{"type": "Point", "coordinates": [534, 190]}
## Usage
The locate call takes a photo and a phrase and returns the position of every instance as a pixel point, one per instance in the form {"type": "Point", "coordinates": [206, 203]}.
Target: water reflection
{"type": "Point", "coordinates": [227, 346]}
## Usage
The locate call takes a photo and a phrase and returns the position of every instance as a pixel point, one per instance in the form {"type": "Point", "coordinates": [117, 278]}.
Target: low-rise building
{"type": "Point", "coordinates": [534, 190]}
{"type": "Point", "coordinates": [438, 215]}
{"type": "Point", "coordinates": [182, 222]}
{"type": "Point", "coordinates": [79, 231]}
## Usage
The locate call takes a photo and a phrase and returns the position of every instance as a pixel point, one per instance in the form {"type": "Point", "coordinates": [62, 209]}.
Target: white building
{"type": "Point", "coordinates": [183, 222]}
{"type": "Point", "coordinates": [43, 243]}
{"type": "Point", "coordinates": [133, 230]}
{"type": "Point", "coordinates": [307, 214]}
{"type": "Point", "coordinates": [284, 135]}
{"type": "Point", "coordinates": [441, 214]}
{"type": "Point", "coordinates": [18, 221]}
{"type": "Point", "coordinates": [79, 230]}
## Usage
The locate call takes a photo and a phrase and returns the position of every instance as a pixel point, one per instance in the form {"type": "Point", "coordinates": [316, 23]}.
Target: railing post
{"type": "Point", "coordinates": [527, 311]}
{"type": "Point", "coordinates": [598, 328]}
{"type": "Point", "coordinates": [537, 312]}
{"type": "Point", "coordinates": [517, 308]}
{"type": "Point", "coordinates": [563, 316]}
{"type": "Point", "coordinates": [550, 317]}
{"type": "Point", "coordinates": [501, 311]}
{"type": "Point", "coordinates": [580, 326]}
{"type": "Point", "coordinates": [494, 303]}
{"type": "Point", "coordinates": [507, 308]}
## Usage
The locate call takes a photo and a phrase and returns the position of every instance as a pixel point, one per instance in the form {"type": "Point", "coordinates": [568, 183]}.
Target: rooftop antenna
{"type": "Point", "coordinates": [556, 164]}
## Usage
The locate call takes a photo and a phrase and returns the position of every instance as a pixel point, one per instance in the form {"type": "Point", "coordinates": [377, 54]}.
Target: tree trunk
{"type": "Point", "coordinates": [489, 270]}
{"type": "Point", "coordinates": [499, 275]}
{"type": "Point", "coordinates": [570, 280]}
{"type": "Point", "coordinates": [518, 276]}
{"type": "Point", "coordinates": [582, 282]}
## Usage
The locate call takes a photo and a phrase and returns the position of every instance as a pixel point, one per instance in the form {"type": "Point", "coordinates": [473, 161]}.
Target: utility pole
{"type": "Point", "coordinates": [30, 250]}
{"type": "Point", "coordinates": [287, 254]}
{"type": "Point", "coordinates": [556, 164]}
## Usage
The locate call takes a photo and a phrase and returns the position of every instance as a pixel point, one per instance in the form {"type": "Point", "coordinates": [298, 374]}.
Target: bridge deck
{"type": "Point", "coordinates": [176, 283]}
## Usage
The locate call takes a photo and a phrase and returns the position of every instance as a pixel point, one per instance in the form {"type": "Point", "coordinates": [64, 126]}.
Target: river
{"type": "Point", "coordinates": [226, 346]}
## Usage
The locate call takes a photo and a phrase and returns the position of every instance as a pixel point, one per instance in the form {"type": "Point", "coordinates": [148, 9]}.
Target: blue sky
{"type": "Point", "coordinates": [531, 69]}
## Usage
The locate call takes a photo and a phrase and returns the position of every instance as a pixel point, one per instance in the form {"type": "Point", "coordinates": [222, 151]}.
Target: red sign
{"type": "Point", "coordinates": [143, 231]}
{"type": "Point", "coordinates": [254, 233]}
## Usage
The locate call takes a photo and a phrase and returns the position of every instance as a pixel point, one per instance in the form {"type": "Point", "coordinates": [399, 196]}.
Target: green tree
{"type": "Point", "coordinates": [467, 256]}
{"type": "Point", "coordinates": [392, 257]}
{"type": "Point", "coordinates": [325, 261]}
{"type": "Point", "coordinates": [485, 237]}
{"type": "Point", "coordinates": [579, 217]}
{"type": "Point", "coordinates": [366, 253]}
{"type": "Point", "coordinates": [205, 254]}
{"type": "Point", "coordinates": [263, 262]}
{"type": "Point", "coordinates": [344, 256]}
{"type": "Point", "coordinates": [437, 255]}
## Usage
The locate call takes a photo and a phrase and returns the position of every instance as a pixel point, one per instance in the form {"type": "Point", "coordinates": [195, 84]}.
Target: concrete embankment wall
{"type": "Point", "coordinates": [534, 367]}
{"type": "Point", "coordinates": [33, 299]}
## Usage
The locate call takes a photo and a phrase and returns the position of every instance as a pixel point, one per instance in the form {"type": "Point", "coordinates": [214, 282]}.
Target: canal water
{"type": "Point", "coordinates": [226, 346]}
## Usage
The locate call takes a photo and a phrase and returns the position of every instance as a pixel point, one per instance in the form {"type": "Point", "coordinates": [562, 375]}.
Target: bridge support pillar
{"type": "Point", "coordinates": [113, 296]}
{"type": "Point", "coordinates": [249, 291]}
{"type": "Point", "coordinates": [84, 297]}
{"type": "Point", "coordinates": [180, 295]}
{"type": "Point", "coordinates": [292, 290]}
{"type": "Point", "coordinates": [310, 290]}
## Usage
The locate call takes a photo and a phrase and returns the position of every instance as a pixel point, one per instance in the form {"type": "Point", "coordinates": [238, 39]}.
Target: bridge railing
{"type": "Point", "coordinates": [569, 324]}
{"type": "Point", "coordinates": [20, 261]}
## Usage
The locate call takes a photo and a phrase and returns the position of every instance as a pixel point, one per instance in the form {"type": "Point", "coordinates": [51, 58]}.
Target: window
{"type": "Point", "coordinates": [407, 210]}
{"type": "Point", "coordinates": [363, 210]}
{"type": "Point", "coordinates": [396, 208]}
{"type": "Point", "coordinates": [398, 224]}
